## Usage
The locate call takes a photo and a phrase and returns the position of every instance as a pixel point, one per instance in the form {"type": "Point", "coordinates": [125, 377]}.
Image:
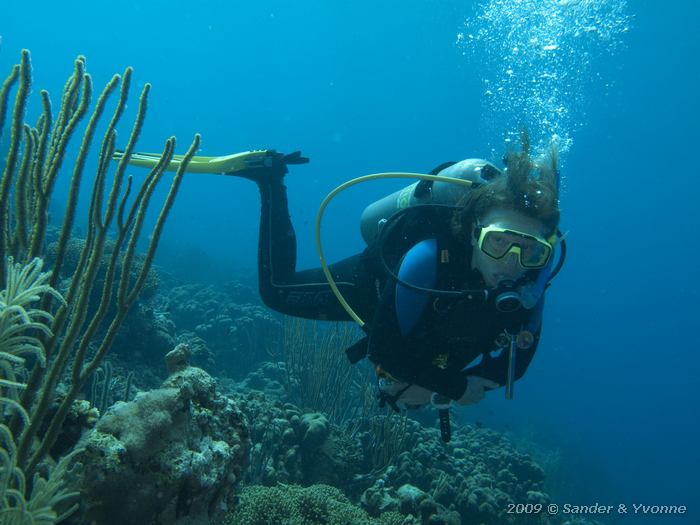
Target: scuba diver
{"type": "Point", "coordinates": [451, 283]}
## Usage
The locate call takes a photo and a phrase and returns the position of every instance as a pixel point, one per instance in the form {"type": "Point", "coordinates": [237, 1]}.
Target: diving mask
{"type": "Point", "coordinates": [533, 251]}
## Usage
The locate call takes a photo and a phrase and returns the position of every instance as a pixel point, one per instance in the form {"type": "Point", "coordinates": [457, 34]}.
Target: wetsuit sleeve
{"type": "Point", "coordinates": [496, 368]}
{"type": "Point", "coordinates": [307, 293]}
{"type": "Point", "coordinates": [447, 382]}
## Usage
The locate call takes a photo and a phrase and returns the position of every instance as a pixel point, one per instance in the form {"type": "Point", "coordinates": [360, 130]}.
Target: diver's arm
{"type": "Point", "coordinates": [496, 368]}
{"type": "Point", "coordinates": [447, 382]}
{"type": "Point", "coordinates": [406, 359]}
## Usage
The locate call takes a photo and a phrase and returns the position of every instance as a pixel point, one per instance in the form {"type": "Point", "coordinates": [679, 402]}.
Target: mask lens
{"type": "Point", "coordinates": [498, 243]}
{"type": "Point", "coordinates": [534, 253]}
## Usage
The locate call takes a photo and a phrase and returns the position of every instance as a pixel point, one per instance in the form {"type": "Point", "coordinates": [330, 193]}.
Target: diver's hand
{"type": "Point", "coordinates": [476, 388]}
{"type": "Point", "coordinates": [412, 397]}
{"type": "Point", "coordinates": [440, 402]}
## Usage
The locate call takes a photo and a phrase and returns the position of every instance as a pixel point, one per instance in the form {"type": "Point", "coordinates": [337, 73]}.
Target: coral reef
{"type": "Point", "coordinates": [146, 337]}
{"type": "Point", "coordinates": [472, 479]}
{"type": "Point", "coordinates": [477, 474]}
{"type": "Point", "coordinates": [407, 500]}
{"type": "Point", "coordinates": [234, 336]}
{"type": "Point", "coordinates": [294, 505]}
{"type": "Point", "coordinates": [71, 260]}
{"type": "Point", "coordinates": [180, 449]}
{"type": "Point", "coordinates": [290, 446]}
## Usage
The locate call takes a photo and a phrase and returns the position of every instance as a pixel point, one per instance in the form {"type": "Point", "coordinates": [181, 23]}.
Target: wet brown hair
{"type": "Point", "coordinates": [527, 186]}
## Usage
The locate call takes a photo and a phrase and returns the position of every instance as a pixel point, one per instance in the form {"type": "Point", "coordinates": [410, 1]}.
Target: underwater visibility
{"type": "Point", "coordinates": [401, 265]}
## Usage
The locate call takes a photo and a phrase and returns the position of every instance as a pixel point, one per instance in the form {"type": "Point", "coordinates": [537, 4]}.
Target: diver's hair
{"type": "Point", "coordinates": [527, 186]}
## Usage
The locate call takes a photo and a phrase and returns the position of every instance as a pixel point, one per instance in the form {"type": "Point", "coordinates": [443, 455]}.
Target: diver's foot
{"type": "Point", "coordinates": [261, 175]}
{"type": "Point", "coordinates": [271, 167]}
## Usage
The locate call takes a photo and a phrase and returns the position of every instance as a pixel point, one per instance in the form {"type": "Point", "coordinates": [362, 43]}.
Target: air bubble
{"type": "Point", "coordinates": [539, 57]}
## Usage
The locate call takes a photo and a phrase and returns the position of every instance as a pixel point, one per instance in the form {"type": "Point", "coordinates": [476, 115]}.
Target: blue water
{"type": "Point", "coordinates": [362, 88]}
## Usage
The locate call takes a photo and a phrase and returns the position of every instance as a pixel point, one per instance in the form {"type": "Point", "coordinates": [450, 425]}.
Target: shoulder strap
{"type": "Point", "coordinates": [418, 267]}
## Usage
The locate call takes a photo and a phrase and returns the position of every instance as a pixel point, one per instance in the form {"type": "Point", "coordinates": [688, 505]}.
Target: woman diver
{"type": "Point", "coordinates": [452, 284]}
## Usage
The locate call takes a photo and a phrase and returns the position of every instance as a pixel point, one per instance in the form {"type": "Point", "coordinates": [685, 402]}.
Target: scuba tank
{"type": "Point", "coordinates": [508, 296]}
{"type": "Point", "coordinates": [375, 215]}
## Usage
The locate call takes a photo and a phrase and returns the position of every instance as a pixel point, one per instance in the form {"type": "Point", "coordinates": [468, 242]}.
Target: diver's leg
{"type": "Point", "coordinates": [307, 293]}
{"type": "Point", "coordinates": [277, 245]}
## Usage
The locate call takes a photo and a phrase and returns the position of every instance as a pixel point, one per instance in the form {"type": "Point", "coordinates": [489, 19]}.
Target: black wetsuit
{"type": "Point", "coordinates": [451, 334]}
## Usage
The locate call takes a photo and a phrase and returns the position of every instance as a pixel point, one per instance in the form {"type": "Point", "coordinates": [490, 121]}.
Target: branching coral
{"type": "Point", "coordinates": [56, 337]}
{"type": "Point", "coordinates": [20, 321]}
